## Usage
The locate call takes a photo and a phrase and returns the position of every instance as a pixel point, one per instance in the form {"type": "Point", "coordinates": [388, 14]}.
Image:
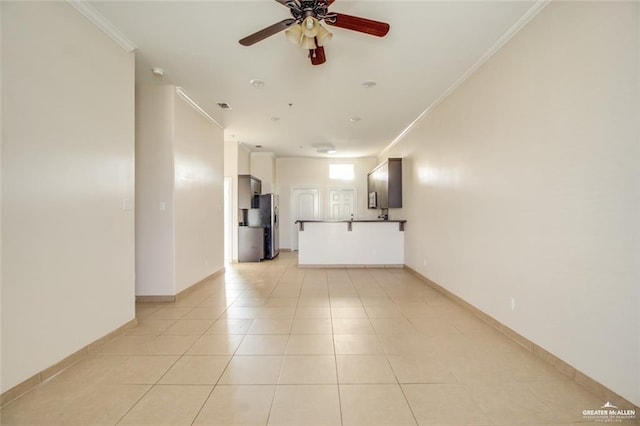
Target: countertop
{"type": "Point", "coordinates": [352, 221]}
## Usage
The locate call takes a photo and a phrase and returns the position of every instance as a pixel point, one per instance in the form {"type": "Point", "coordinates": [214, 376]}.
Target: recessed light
{"type": "Point", "coordinates": [258, 146]}
{"type": "Point", "coordinates": [257, 83]}
{"type": "Point", "coordinates": [224, 105]}
{"type": "Point", "coordinates": [368, 84]}
{"type": "Point", "coordinates": [157, 71]}
{"type": "Point", "coordinates": [326, 149]}
{"type": "Point", "coordinates": [354, 119]}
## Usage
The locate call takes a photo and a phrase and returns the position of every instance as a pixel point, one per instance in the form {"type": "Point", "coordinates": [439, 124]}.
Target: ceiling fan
{"type": "Point", "coordinates": [304, 28]}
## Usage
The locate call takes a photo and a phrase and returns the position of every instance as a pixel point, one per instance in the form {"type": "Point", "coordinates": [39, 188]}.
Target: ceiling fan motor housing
{"type": "Point", "coordinates": [315, 8]}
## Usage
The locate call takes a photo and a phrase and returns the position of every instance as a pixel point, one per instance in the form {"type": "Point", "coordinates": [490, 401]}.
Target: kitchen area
{"type": "Point", "coordinates": [360, 243]}
{"type": "Point", "coordinates": [258, 225]}
{"type": "Point", "coordinates": [362, 235]}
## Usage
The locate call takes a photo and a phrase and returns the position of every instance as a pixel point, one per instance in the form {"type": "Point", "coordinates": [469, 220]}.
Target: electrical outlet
{"type": "Point", "coordinates": [512, 303]}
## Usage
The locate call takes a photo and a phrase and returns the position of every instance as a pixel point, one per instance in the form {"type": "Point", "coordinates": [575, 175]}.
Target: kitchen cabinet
{"type": "Point", "coordinates": [248, 186]}
{"type": "Point", "coordinates": [386, 182]}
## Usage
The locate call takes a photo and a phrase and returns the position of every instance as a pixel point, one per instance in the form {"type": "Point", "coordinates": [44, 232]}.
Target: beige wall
{"type": "Point", "coordinates": [179, 182]}
{"type": "Point", "coordinates": [231, 171]}
{"type": "Point", "coordinates": [297, 172]}
{"type": "Point", "coordinates": [155, 268]}
{"type": "Point", "coordinates": [2, 385]}
{"type": "Point", "coordinates": [199, 212]}
{"type": "Point", "coordinates": [67, 186]}
{"type": "Point", "coordinates": [524, 183]}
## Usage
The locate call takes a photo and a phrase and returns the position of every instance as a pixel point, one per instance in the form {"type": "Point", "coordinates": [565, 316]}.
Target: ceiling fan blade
{"type": "Point", "coordinates": [330, 2]}
{"type": "Point", "coordinates": [317, 55]}
{"type": "Point", "coordinates": [267, 32]}
{"type": "Point", "coordinates": [355, 23]}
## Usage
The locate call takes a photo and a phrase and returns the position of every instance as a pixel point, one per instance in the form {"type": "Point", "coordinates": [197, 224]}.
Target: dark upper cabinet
{"type": "Point", "coordinates": [248, 186]}
{"type": "Point", "coordinates": [386, 182]}
{"type": "Point", "coordinates": [256, 186]}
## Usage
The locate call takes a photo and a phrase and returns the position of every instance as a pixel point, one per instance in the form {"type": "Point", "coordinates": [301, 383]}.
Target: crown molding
{"type": "Point", "coordinates": [245, 147]}
{"type": "Point", "coordinates": [508, 35]}
{"type": "Point", "coordinates": [185, 97]}
{"type": "Point", "coordinates": [101, 22]}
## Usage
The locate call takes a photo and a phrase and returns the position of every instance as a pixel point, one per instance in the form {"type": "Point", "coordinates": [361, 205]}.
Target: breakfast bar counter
{"type": "Point", "coordinates": [352, 243]}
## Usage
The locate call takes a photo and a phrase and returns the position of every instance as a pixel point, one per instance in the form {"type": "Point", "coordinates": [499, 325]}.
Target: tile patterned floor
{"type": "Point", "coordinates": [271, 344]}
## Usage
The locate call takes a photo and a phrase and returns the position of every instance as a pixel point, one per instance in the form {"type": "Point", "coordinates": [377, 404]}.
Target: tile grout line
{"type": "Point", "coordinates": [386, 354]}
{"type": "Point", "coordinates": [150, 387]}
{"type": "Point", "coordinates": [335, 355]}
{"type": "Point", "coordinates": [223, 370]}
{"type": "Point", "coordinates": [157, 382]}
{"type": "Point", "coordinates": [376, 288]}
{"type": "Point", "coordinates": [168, 369]}
{"type": "Point", "coordinates": [273, 398]}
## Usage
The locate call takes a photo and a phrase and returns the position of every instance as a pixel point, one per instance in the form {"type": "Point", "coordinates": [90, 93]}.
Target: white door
{"type": "Point", "coordinates": [342, 203]}
{"type": "Point", "coordinates": [305, 205]}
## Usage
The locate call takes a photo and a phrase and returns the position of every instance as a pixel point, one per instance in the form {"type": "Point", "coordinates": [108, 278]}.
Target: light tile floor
{"type": "Point", "coordinates": [273, 344]}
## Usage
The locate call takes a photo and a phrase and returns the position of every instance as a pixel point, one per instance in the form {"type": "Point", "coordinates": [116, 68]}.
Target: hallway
{"type": "Point", "coordinates": [271, 343]}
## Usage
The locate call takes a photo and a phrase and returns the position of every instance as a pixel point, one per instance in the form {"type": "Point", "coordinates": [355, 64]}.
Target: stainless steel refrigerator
{"type": "Point", "coordinates": [266, 216]}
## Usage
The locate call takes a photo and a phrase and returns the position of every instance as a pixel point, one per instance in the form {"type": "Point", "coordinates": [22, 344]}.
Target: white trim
{"type": "Point", "coordinates": [512, 31]}
{"type": "Point", "coordinates": [182, 94]}
{"type": "Point", "coordinates": [101, 22]}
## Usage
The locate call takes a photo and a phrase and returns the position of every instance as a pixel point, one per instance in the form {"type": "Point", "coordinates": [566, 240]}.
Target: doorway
{"type": "Point", "coordinates": [342, 204]}
{"type": "Point", "coordinates": [305, 205]}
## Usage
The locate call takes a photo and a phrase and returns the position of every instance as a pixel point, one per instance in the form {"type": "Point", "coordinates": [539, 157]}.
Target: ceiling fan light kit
{"type": "Point", "coordinates": [310, 27]}
{"type": "Point", "coordinates": [294, 34]}
{"type": "Point", "coordinates": [324, 36]}
{"type": "Point", "coordinates": [305, 30]}
{"type": "Point", "coordinates": [326, 149]}
{"type": "Point", "coordinates": [308, 43]}
{"type": "Point", "coordinates": [309, 35]}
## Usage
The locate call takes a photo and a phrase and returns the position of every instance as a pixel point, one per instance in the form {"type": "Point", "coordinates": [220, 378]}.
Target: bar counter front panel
{"type": "Point", "coordinates": [351, 243]}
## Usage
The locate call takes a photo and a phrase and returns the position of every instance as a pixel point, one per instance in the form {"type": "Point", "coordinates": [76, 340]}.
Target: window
{"type": "Point", "coordinates": [341, 171]}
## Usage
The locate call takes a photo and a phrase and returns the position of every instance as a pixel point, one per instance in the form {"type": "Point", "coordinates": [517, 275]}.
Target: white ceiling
{"type": "Point", "coordinates": [431, 44]}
